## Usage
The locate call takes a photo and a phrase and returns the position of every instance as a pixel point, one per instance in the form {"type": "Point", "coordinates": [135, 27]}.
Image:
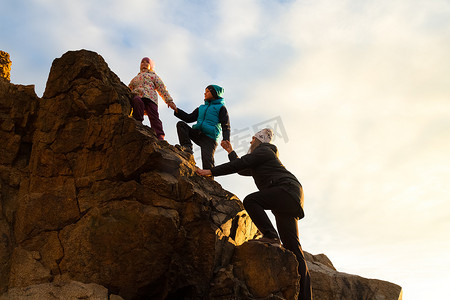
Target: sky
{"type": "Point", "coordinates": [357, 92]}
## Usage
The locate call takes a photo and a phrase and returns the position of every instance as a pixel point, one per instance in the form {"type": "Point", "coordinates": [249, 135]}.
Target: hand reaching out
{"type": "Point", "coordinates": [172, 105]}
{"type": "Point", "coordinates": [226, 145]}
{"type": "Point", "coordinates": [203, 172]}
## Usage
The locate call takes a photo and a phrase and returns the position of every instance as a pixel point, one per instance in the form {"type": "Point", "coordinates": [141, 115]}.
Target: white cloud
{"type": "Point", "coordinates": [361, 86]}
{"type": "Point", "coordinates": [239, 22]}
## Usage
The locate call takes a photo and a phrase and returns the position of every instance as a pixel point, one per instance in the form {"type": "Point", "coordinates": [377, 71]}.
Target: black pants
{"type": "Point", "coordinates": [286, 210]}
{"type": "Point", "coordinates": [208, 146]}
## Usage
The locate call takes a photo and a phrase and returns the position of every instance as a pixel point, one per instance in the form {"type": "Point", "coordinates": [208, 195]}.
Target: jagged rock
{"type": "Point", "coordinates": [257, 271]}
{"type": "Point", "coordinates": [100, 199]}
{"type": "Point", "coordinates": [5, 66]}
{"type": "Point", "coordinates": [18, 110]}
{"type": "Point", "coordinates": [90, 195]}
{"type": "Point", "coordinates": [330, 284]}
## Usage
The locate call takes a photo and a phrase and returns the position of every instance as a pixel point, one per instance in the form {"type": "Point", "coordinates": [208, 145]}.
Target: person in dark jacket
{"type": "Point", "coordinates": [212, 119]}
{"type": "Point", "coordinates": [279, 191]}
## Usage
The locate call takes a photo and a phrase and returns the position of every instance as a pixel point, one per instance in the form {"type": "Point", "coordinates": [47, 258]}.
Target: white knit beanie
{"type": "Point", "coordinates": [265, 135]}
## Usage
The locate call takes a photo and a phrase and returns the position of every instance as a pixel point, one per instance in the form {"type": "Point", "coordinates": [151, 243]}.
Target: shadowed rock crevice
{"type": "Point", "coordinates": [92, 205]}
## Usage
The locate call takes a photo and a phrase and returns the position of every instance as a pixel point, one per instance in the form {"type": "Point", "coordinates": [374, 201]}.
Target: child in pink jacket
{"type": "Point", "coordinates": [146, 86]}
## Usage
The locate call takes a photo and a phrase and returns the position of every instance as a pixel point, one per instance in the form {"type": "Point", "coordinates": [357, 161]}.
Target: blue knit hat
{"type": "Point", "coordinates": [216, 91]}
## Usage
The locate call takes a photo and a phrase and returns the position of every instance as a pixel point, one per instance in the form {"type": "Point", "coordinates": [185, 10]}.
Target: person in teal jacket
{"type": "Point", "coordinates": [212, 120]}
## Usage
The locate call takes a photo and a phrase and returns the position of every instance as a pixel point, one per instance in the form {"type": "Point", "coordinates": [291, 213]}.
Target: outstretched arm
{"type": "Point", "coordinates": [224, 120]}
{"type": "Point", "coordinates": [232, 155]}
{"type": "Point", "coordinates": [188, 118]}
{"type": "Point", "coordinates": [160, 87]}
{"type": "Point", "coordinates": [244, 164]}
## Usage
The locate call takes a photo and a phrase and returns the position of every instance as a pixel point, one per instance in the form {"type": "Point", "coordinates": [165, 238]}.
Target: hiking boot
{"type": "Point", "coordinates": [186, 149]}
{"type": "Point", "coordinates": [271, 241]}
{"type": "Point", "coordinates": [186, 152]}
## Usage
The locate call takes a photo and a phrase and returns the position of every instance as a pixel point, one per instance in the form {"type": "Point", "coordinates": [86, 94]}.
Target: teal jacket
{"type": "Point", "coordinates": [211, 119]}
{"type": "Point", "coordinates": [208, 118]}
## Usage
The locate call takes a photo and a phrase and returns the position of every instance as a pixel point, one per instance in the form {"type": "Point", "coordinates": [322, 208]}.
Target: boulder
{"type": "Point", "coordinates": [257, 271]}
{"type": "Point", "coordinates": [329, 284]}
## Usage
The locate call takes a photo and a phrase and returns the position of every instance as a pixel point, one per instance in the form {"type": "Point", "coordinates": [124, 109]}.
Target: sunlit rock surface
{"type": "Point", "coordinates": [5, 66]}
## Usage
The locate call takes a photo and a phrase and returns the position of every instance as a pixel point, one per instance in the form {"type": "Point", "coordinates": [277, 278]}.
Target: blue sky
{"type": "Point", "coordinates": [361, 87]}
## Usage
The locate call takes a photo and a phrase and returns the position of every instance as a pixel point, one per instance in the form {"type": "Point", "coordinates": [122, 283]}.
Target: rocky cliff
{"type": "Point", "coordinates": [5, 66]}
{"type": "Point", "coordinates": [93, 206]}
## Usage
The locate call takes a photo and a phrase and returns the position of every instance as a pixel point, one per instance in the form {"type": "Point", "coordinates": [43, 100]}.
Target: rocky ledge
{"type": "Point", "coordinates": [93, 206]}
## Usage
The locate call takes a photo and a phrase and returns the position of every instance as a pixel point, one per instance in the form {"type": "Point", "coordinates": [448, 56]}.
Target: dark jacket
{"type": "Point", "coordinates": [223, 120]}
{"type": "Point", "coordinates": [265, 168]}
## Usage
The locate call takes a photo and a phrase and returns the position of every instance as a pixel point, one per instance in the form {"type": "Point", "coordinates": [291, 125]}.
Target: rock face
{"type": "Point", "coordinates": [60, 290]}
{"type": "Point", "coordinates": [91, 202]}
{"type": "Point", "coordinates": [329, 284]}
{"type": "Point", "coordinates": [5, 66]}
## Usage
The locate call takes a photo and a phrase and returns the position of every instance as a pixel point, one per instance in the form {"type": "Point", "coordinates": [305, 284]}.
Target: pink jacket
{"type": "Point", "coordinates": [146, 84]}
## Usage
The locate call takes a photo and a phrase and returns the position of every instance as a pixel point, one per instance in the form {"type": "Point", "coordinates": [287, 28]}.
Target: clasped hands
{"type": "Point", "coordinates": [172, 105]}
